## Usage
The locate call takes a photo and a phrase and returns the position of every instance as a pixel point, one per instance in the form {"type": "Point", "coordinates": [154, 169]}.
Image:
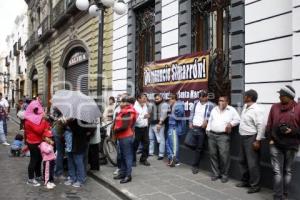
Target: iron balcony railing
{"type": "Point", "coordinates": [20, 44]}
{"type": "Point", "coordinates": [31, 44]}
{"type": "Point", "coordinates": [7, 63]}
{"type": "Point", "coordinates": [45, 30]}
{"type": "Point", "coordinates": [16, 49]}
{"type": "Point", "coordinates": [62, 12]}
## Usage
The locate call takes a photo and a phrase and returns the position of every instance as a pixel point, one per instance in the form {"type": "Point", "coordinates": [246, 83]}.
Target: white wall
{"type": "Point", "coordinates": [119, 58]}
{"type": "Point", "coordinates": [296, 46]}
{"type": "Point", "coordinates": [169, 42]}
{"type": "Point", "coordinates": [270, 46]}
{"type": "Point", "coordinates": [169, 28]}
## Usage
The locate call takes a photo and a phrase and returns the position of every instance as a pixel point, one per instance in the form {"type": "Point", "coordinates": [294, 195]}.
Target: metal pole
{"type": "Point", "coordinates": [100, 56]}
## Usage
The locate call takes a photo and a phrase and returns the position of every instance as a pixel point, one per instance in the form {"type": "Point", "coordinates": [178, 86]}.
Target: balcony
{"type": "Point", "coordinates": [32, 44]}
{"type": "Point", "coordinates": [45, 30]}
{"type": "Point", "coordinates": [7, 63]}
{"type": "Point", "coordinates": [20, 47]}
{"type": "Point", "coordinates": [16, 49]}
{"type": "Point", "coordinates": [71, 6]}
{"type": "Point", "coordinates": [59, 14]}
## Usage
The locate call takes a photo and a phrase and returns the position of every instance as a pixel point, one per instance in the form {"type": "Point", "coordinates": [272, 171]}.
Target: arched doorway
{"type": "Point", "coordinates": [49, 84]}
{"type": "Point", "coordinates": [34, 84]}
{"type": "Point", "coordinates": [76, 70]}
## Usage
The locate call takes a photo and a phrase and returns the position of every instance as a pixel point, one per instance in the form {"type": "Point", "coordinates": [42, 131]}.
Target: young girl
{"type": "Point", "coordinates": [48, 156]}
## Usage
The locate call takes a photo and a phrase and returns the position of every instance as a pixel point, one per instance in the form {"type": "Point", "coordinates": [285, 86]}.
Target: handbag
{"type": "Point", "coordinates": [189, 140]}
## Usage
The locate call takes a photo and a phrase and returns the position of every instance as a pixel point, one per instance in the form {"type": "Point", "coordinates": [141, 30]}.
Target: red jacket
{"type": "Point", "coordinates": [124, 122]}
{"type": "Point", "coordinates": [34, 133]}
{"type": "Point", "coordinates": [284, 114]}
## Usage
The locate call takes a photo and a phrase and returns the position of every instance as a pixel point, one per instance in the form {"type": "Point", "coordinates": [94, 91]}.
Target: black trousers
{"type": "Point", "coordinates": [141, 136]}
{"type": "Point", "coordinates": [94, 156]}
{"type": "Point", "coordinates": [35, 163]}
{"type": "Point", "coordinates": [199, 137]}
{"type": "Point", "coordinates": [51, 170]}
{"type": "Point", "coordinates": [249, 161]}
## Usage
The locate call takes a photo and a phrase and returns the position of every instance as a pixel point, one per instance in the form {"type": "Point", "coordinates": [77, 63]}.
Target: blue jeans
{"type": "Point", "coordinates": [76, 169]}
{"type": "Point", "coordinates": [172, 144]}
{"type": "Point", "coordinates": [2, 132]}
{"type": "Point", "coordinates": [282, 161]}
{"type": "Point", "coordinates": [159, 136]}
{"type": "Point", "coordinates": [5, 126]}
{"type": "Point", "coordinates": [59, 167]}
{"type": "Point", "coordinates": [126, 155]}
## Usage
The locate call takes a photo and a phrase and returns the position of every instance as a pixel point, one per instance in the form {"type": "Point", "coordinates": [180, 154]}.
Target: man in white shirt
{"type": "Point", "coordinates": [141, 130]}
{"type": "Point", "coordinates": [252, 131]}
{"type": "Point", "coordinates": [5, 105]}
{"type": "Point", "coordinates": [198, 121]}
{"type": "Point", "coordinates": [222, 119]}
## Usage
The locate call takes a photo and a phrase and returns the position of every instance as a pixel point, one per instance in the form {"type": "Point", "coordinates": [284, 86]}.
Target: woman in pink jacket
{"type": "Point", "coordinates": [48, 156]}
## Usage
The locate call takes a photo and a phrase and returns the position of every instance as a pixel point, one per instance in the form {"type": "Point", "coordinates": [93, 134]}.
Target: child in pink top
{"type": "Point", "coordinates": [48, 156]}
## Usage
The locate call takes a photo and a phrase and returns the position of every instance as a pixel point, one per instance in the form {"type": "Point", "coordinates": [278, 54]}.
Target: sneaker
{"type": "Point", "coordinates": [76, 185]}
{"type": "Point", "coordinates": [33, 182]}
{"type": "Point", "coordinates": [117, 172]}
{"type": "Point", "coordinates": [177, 163]}
{"type": "Point", "coordinates": [53, 185]}
{"type": "Point", "coordinates": [6, 144]}
{"type": "Point", "coordinates": [49, 186]}
{"type": "Point", "coordinates": [40, 178]}
{"type": "Point", "coordinates": [68, 182]}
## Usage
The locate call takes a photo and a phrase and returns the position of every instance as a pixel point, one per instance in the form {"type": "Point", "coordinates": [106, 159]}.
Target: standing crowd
{"type": "Point", "coordinates": [142, 125]}
{"type": "Point", "coordinates": [139, 126]}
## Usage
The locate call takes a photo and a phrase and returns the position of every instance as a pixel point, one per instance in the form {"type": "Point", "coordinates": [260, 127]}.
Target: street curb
{"type": "Point", "coordinates": [109, 186]}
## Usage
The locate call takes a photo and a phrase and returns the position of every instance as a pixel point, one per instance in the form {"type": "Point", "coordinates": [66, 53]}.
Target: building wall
{"type": "Point", "coordinates": [107, 55]}
{"type": "Point", "coordinates": [272, 56]}
{"type": "Point", "coordinates": [80, 27]}
{"type": "Point", "coordinates": [169, 28]}
{"type": "Point", "coordinates": [271, 37]}
{"type": "Point", "coordinates": [119, 56]}
{"type": "Point", "coordinates": [86, 30]}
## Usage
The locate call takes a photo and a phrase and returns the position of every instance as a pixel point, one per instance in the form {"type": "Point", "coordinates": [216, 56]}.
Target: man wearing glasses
{"type": "Point", "coordinates": [222, 119]}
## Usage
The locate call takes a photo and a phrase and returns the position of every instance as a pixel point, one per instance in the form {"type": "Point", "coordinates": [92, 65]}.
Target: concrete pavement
{"type": "Point", "coordinates": [164, 183]}
{"type": "Point", "coordinates": [13, 176]}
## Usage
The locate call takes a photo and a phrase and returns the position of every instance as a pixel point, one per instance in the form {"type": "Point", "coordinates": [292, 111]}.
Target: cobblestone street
{"type": "Point", "coordinates": [13, 174]}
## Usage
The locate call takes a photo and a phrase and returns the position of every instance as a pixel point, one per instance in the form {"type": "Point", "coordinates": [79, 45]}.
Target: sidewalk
{"type": "Point", "coordinates": [161, 182]}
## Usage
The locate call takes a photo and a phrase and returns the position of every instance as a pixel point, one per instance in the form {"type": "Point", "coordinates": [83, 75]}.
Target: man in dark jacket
{"type": "Point", "coordinates": [283, 132]}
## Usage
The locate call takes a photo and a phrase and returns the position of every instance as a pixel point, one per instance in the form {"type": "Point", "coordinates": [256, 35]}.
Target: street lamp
{"type": "Point", "coordinates": [97, 8]}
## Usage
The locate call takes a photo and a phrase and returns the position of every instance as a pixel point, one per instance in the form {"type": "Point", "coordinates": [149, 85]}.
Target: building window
{"type": "Point", "coordinates": [145, 41]}
{"type": "Point", "coordinates": [34, 83]}
{"type": "Point", "coordinates": [210, 33]}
